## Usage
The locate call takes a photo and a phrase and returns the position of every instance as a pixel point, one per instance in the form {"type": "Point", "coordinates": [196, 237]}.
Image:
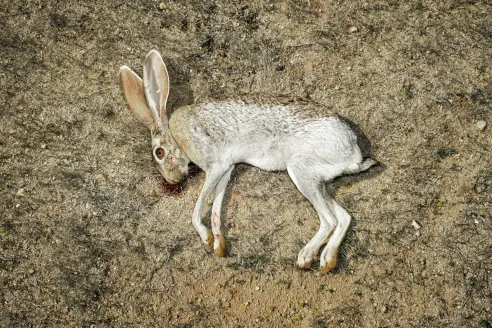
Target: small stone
{"type": "Point", "coordinates": [417, 234]}
{"type": "Point", "coordinates": [17, 205]}
{"type": "Point", "coordinates": [100, 178]}
{"type": "Point", "coordinates": [246, 303]}
{"type": "Point", "coordinates": [30, 270]}
{"type": "Point", "coordinates": [476, 221]}
{"type": "Point", "coordinates": [416, 225]}
{"type": "Point", "coordinates": [20, 192]}
{"type": "Point", "coordinates": [384, 309]}
{"type": "Point", "coordinates": [481, 125]}
{"type": "Point", "coordinates": [43, 146]}
{"type": "Point", "coordinates": [257, 288]}
{"type": "Point", "coordinates": [353, 29]}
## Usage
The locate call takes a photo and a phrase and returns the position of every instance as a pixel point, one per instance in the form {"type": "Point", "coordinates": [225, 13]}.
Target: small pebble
{"type": "Point", "coordinates": [20, 192]}
{"type": "Point", "coordinates": [257, 288]}
{"type": "Point", "coordinates": [43, 146]}
{"type": "Point", "coordinates": [417, 234]}
{"type": "Point", "coordinates": [416, 225]}
{"type": "Point", "coordinates": [100, 177]}
{"type": "Point", "coordinates": [481, 125]}
{"type": "Point", "coordinates": [280, 68]}
{"type": "Point", "coordinates": [384, 309]}
{"type": "Point", "coordinates": [246, 303]}
{"type": "Point", "coordinates": [353, 29]}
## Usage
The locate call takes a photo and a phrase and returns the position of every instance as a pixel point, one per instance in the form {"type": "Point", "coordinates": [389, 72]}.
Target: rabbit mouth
{"type": "Point", "coordinates": [174, 176]}
{"type": "Point", "coordinates": [171, 181]}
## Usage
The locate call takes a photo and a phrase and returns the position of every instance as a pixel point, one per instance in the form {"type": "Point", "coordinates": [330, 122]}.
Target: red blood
{"type": "Point", "coordinates": [214, 219]}
{"type": "Point", "coordinates": [173, 190]}
{"type": "Point", "coordinates": [177, 189]}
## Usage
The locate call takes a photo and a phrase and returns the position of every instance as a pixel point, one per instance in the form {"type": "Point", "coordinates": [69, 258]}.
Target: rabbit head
{"type": "Point", "coordinates": [147, 100]}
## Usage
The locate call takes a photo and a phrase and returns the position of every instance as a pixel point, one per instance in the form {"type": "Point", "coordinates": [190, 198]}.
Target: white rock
{"type": "Point", "coordinates": [353, 29]}
{"type": "Point", "coordinates": [416, 225]}
{"type": "Point", "coordinates": [481, 125]}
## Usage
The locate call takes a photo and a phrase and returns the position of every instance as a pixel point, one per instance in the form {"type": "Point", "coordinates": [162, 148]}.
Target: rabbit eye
{"type": "Point", "coordinates": [159, 153]}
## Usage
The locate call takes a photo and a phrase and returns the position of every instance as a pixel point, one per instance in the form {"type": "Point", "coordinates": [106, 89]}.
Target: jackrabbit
{"type": "Point", "coordinates": [298, 136]}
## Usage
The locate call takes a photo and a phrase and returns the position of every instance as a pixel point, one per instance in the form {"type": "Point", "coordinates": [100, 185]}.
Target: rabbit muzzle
{"type": "Point", "coordinates": [173, 175]}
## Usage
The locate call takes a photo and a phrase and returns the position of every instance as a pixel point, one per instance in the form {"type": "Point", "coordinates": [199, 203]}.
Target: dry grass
{"type": "Point", "coordinates": [88, 236]}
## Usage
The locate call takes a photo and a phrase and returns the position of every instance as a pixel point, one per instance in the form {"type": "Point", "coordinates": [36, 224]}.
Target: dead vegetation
{"type": "Point", "coordinates": [89, 236]}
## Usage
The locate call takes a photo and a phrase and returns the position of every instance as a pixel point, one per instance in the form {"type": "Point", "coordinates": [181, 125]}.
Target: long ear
{"type": "Point", "coordinates": [133, 90]}
{"type": "Point", "coordinates": [156, 84]}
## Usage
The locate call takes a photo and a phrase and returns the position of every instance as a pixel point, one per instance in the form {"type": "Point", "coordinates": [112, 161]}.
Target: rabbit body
{"type": "Point", "coordinates": [306, 139]}
{"type": "Point", "coordinates": [265, 135]}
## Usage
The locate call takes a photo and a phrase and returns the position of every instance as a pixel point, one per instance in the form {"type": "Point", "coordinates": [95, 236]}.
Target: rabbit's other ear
{"type": "Point", "coordinates": [133, 90]}
{"type": "Point", "coordinates": [156, 83]}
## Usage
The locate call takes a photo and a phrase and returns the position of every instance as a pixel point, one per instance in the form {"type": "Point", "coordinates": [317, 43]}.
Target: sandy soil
{"type": "Point", "coordinates": [89, 236]}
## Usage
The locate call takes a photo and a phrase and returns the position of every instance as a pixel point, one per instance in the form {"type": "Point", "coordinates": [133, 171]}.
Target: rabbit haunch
{"type": "Point", "coordinates": [314, 146]}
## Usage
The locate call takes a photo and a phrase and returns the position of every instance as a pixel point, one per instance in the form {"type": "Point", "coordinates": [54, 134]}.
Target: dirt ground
{"type": "Point", "coordinates": [90, 237]}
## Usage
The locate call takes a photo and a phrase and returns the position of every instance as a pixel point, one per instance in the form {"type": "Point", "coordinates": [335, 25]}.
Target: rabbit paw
{"type": "Point", "coordinates": [220, 245]}
{"type": "Point", "coordinates": [306, 257]}
{"type": "Point", "coordinates": [327, 264]}
{"type": "Point", "coordinates": [210, 239]}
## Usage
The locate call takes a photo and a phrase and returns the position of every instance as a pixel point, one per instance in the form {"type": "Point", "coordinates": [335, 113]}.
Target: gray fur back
{"type": "Point", "coordinates": [252, 131]}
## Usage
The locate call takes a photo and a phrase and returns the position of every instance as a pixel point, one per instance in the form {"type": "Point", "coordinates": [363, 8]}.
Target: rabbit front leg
{"type": "Point", "coordinates": [219, 240]}
{"type": "Point", "coordinates": [211, 180]}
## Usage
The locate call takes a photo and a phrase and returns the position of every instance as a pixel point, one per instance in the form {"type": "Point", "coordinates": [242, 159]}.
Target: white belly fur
{"type": "Point", "coordinates": [271, 160]}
